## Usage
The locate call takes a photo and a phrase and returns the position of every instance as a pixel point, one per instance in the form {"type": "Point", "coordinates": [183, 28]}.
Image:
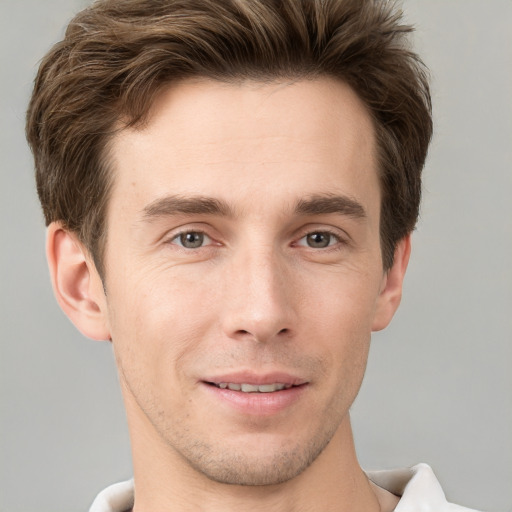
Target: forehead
{"type": "Point", "coordinates": [248, 142]}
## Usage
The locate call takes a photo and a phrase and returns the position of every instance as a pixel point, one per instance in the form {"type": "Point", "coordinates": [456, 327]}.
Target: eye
{"type": "Point", "coordinates": [191, 239]}
{"type": "Point", "coordinates": [319, 240]}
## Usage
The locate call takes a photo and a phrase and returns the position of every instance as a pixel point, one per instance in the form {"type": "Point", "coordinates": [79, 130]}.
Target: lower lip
{"type": "Point", "coordinates": [257, 404]}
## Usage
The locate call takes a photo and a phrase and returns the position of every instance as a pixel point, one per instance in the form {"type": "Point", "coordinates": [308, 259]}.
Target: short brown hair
{"type": "Point", "coordinates": [118, 54]}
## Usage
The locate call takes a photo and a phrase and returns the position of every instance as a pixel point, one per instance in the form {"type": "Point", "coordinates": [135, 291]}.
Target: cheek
{"type": "Point", "coordinates": [344, 299]}
{"type": "Point", "coordinates": [346, 345]}
{"type": "Point", "coordinates": [341, 318]}
{"type": "Point", "coordinates": [158, 320]}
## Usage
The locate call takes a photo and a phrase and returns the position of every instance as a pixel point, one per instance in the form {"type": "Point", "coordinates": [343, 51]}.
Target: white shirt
{"type": "Point", "coordinates": [417, 487]}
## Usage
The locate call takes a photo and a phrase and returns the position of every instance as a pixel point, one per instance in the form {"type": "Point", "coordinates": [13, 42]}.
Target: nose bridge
{"type": "Point", "coordinates": [258, 296]}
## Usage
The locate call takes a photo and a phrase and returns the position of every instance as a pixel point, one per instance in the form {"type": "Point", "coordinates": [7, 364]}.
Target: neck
{"type": "Point", "coordinates": [164, 481]}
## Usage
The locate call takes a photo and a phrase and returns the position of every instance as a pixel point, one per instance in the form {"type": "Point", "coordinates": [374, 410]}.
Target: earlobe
{"type": "Point", "coordinates": [391, 291]}
{"type": "Point", "coordinates": [76, 283]}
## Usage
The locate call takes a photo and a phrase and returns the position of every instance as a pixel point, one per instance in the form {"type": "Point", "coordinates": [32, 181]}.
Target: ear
{"type": "Point", "coordinates": [76, 283]}
{"type": "Point", "coordinates": [391, 289]}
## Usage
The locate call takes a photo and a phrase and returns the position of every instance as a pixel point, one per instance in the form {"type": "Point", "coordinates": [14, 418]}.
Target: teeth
{"type": "Point", "coordinates": [251, 388]}
{"type": "Point", "coordinates": [269, 388]}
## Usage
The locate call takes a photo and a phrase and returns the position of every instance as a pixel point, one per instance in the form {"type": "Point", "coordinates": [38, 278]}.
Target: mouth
{"type": "Point", "coordinates": [256, 395]}
{"type": "Point", "coordinates": [252, 388]}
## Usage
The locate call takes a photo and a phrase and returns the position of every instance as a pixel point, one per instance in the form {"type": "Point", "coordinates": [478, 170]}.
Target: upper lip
{"type": "Point", "coordinates": [257, 379]}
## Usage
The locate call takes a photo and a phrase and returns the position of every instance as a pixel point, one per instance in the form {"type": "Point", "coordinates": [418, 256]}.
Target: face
{"type": "Point", "coordinates": [244, 272]}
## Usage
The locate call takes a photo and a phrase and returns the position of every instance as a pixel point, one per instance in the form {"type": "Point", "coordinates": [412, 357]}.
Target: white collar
{"type": "Point", "coordinates": [418, 488]}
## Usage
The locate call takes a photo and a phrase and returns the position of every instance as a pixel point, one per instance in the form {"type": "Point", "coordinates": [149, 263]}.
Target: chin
{"type": "Point", "coordinates": [261, 464]}
{"type": "Point", "coordinates": [241, 470]}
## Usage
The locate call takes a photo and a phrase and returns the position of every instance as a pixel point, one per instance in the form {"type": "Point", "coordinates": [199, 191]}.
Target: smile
{"type": "Point", "coordinates": [254, 393]}
{"type": "Point", "coordinates": [256, 400]}
{"type": "Point", "coordinates": [252, 388]}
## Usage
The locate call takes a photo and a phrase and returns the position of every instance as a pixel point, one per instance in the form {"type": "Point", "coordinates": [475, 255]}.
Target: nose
{"type": "Point", "coordinates": [259, 302]}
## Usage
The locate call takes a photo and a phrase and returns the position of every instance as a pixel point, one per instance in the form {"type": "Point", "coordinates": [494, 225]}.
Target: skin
{"type": "Point", "coordinates": [260, 293]}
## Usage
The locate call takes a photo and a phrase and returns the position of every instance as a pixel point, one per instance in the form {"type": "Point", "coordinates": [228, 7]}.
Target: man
{"type": "Point", "coordinates": [230, 188]}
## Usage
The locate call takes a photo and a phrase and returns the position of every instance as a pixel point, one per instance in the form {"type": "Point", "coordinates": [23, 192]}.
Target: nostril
{"type": "Point", "coordinates": [260, 334]}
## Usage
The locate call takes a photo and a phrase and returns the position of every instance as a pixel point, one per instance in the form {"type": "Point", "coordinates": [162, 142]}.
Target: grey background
{"type": "Point", "coordinates": [438, 386]}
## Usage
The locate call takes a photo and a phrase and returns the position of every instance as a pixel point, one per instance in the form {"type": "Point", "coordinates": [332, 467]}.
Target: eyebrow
{"type": "Point", "coordinates": [319, 204]}
{"type": "Point", "coordinates": [175, 205]}
{"type": "Point", "coordinates": [330, 203]}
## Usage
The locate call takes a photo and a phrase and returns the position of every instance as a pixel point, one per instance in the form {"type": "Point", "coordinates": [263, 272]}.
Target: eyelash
{"type": "Point", "coordinates": [340, 242]}
{"type": "Point", "coordinates": [177, 236]}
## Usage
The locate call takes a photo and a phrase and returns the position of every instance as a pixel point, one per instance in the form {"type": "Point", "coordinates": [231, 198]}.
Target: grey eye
{"type": "Point", "coordinates": [191, 239]}
{"type": "Point", "coordinates": [320, 239]}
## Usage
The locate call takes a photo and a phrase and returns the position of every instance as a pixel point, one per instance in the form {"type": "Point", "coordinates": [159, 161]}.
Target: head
{"type": "Point", "coordinates": [237, 181]}
{"type": "Point", "coordinates": [117, 56]}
